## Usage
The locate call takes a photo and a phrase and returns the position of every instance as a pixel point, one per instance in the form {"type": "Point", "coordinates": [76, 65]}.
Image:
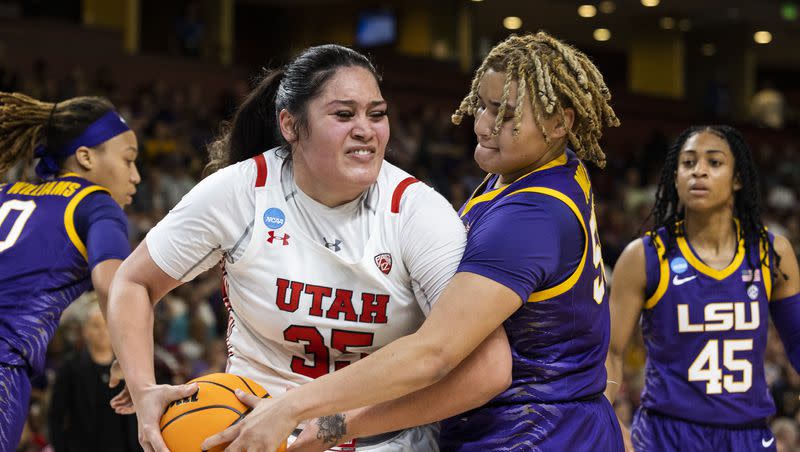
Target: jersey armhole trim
{"type": "Point", "coordinates": [398, 192]}
{"type": "Point", "coordinates": [663, 279]}
{"type": "Point", "coordinates": [261, 170]}
{"type": "Point", "coordinates": [570, 282]}
{"type": "Point", "coordinates": [69, 218]}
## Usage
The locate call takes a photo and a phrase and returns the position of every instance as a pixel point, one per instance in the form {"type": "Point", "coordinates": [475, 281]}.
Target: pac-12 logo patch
{"type": "Point", "coordinates": [384, 262]}
{"type": "Point", "coordinates": [274, 218]}
{"type": "Point", "coordinates": [679, 265]}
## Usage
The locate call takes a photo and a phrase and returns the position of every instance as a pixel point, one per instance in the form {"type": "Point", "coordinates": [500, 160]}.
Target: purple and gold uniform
{"type": "Point", "coordinates": [538, 237]}
{"type": "Point", "coordinates": [705, 331]}
{"type": "Point", "coordinates": [51, 236]}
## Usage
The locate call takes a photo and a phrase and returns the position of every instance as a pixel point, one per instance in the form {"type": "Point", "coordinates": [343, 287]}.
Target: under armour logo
{"type": "Point", "coordinates": [283, 238]}
{"type": "Point", "coordinates": [332, 246]}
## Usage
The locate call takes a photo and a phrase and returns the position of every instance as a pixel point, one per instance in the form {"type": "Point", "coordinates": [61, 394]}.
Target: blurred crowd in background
{"type": "Point", "coordinates": [174, 123]}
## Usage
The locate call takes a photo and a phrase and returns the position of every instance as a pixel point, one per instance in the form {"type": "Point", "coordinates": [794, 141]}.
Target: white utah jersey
{"type": "Point", "coordinates": [298, 309]}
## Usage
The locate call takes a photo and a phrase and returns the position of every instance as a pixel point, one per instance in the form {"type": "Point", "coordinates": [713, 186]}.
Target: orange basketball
{"type": "Point", "coordinates": [213, 408]}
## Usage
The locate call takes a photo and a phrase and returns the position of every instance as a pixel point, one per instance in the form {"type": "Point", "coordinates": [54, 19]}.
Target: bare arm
{"type": "Point", "coordinates": [102, 275]}
{"type": "Point", "coordinates": [790, 285]}
{"type": "Point", "coordinates": [626, 302]}
{"type": "Point", "coordinates": [784, 305]}
{"type": "Point", "coordinates": [137, 286]}
{"type": "Point", "coordinates": [485, 373]}
{"type": "Point", "coordinates": [479, 378]}
{"type": "Point", "coordinates": [470, 309]}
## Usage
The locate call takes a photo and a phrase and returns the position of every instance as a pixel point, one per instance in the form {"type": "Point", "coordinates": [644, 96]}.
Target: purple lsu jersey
{"type": "Point", "coordinates": [705, 331]}
{"type": "Point", "coordinates": [559, 336]}
{"type": "Point", "coordinates": [43, 264]}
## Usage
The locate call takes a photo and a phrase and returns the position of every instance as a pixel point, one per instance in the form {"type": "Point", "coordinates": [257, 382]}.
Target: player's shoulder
{"type": "Point", "coordinates": [634, 252]}
{"type": "Point", "coordinates": [391, 175]}
{"type": "Point", "coordinates": [235, 179]}
{"type": "Point", "coordinates": [783, 247]}
{"type": "Point", "coordinates": [243, 173]}
{"type": "Point", "coordinates": [401, 189]}
{"type": "Point", "coordinates": [531, 196]}
{"type": "Point", "coordinates": [540, 207]}
{"type": "Point", "coordinates": [99, 201]}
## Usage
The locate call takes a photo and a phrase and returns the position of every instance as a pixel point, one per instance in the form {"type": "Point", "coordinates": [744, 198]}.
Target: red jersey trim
{"type": "Point", "coordinates": [261, 167]}
{"type": "Point", "coordinates": [398, 192]}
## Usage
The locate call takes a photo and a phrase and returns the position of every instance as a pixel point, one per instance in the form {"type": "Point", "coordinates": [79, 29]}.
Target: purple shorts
{"type": "Point", "coordinates": [655, 432]}
{"type": "Point", "coordinates": [574, 426]}
{"type": "Point", "coordinates": [15, 393]}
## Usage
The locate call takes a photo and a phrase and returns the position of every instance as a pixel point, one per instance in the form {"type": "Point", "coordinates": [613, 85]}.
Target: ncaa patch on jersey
{"type": "Point", "coordinates": [384, 262]}
{"type": "Point", "coordinates": [678, 265]}
{"type": "Point", "coordinates": [274, 218]}
{"type": "Point", "coordinates": [752, 291]}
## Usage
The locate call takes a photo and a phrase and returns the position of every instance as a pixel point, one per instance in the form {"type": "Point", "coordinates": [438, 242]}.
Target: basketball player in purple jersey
{"type": "Point", "coordinates": [532, 264]}
{"type": "Point", "coordinates": [703, 282]}
{"type": "Point", "coordinates": [58, 237]}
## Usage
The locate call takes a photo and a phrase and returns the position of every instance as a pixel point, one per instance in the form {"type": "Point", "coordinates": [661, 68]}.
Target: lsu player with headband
{"type": "Point", "coordinates": [532, 266]}
{"type": "Point", "coordinates": [329, 252]}
{"type": "Point", "coordinates": [59, 236]}
{"type": "Point", "coordinates": [704, 282]}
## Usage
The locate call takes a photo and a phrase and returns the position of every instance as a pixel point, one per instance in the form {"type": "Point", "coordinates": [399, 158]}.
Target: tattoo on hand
{"type": "Point", "coordinates": [331, 428]}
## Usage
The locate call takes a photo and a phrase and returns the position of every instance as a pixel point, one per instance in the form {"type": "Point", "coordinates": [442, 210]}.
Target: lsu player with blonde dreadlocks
{"type": "Point", "coordinates": [60, 235]}
{"type": "Point", "coordinates": [532, 269]}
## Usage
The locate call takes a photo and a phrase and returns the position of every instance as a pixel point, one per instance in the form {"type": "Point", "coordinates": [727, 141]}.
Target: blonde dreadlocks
{"type": "Point", "coordinates": [555, 76]}
{"type": "Point", "coordinates": [26, 123]}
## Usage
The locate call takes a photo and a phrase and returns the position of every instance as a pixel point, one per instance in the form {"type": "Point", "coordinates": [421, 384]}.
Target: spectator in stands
{"type": "Point", "coordinates": [81, 417]}
{"type": "Point", "coordinates": [768, 107]}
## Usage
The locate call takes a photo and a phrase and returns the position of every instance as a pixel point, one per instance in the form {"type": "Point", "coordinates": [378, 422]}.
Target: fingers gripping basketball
{"type": "Point", "coordinates": [212, 409]}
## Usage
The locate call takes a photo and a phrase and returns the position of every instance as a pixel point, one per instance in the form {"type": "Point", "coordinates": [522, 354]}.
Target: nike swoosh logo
{"type": "Point", "coordinates": [766, 443]}
{"type": "Point", "coordinates": [678, 281]}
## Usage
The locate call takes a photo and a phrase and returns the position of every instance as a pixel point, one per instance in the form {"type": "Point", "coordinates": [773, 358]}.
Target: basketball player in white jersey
{"type": "Point", "coordinates": [329, 253]}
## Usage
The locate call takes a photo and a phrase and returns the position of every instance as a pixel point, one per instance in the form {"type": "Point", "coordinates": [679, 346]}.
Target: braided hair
{"type": "Point", "coordinates": [555, 76]}
{"type": "Point", "coordinates": [668, 213]}
{"type": "Point", "coordinates": [26, 123]}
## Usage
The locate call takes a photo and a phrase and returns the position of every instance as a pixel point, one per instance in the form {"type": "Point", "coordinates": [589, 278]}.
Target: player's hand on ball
{"type": "Point", "coordinates": [150, 404]}
{"type": "Point", "coordinates": [264, 429]}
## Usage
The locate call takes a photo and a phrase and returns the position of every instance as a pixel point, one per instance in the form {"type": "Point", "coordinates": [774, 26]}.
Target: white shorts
{"type": "Point", "coordinates": [424, 438]}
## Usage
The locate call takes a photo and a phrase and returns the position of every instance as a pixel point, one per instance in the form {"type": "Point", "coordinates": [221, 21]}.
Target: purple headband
{"type": "Point", "coordinates": [105, 128]}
